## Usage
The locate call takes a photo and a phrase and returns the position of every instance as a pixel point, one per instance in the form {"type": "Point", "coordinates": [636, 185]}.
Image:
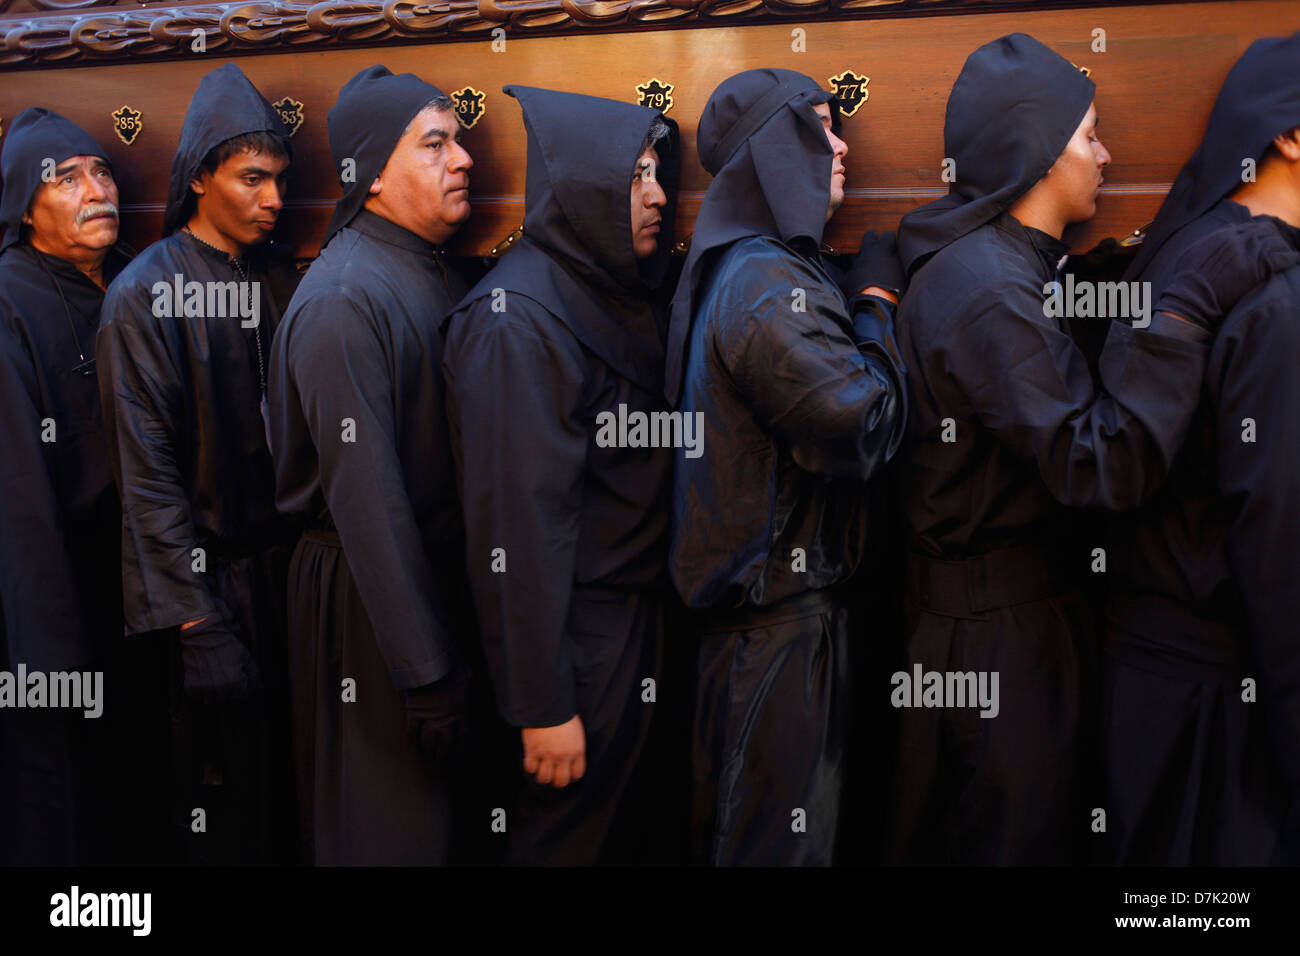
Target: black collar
{"type": "Point", "coordinates": [385, 230]}
{"type": "Point", "coordinates": [1046, 248]}
{"type": "Point", "coordinates": [65, 270]}
{"type": "Point", "coordinates": [209, 251]}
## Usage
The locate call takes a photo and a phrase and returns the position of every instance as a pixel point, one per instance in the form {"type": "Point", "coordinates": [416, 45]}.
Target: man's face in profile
{"type": "Point", "coordinates": [841, 149]}
{"type": "Point", "coordinates": [648, 201]}
{"type": "Point", "coordinates": [424, 186]}
{"type": "Point", "coordinates": [1077, 173]}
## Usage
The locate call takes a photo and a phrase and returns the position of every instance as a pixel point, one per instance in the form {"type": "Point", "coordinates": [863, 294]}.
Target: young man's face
{"type": "Point", "coordinates": [243, 198]}
{"type": "Point", "coordinates": [841, 149]}
{"type": "Point", "coordinates": [1076, 175]}
{"type": "Point", "coordinates": [75, 214]}
{"type": "Point", "coordinates": [648, 201]}
{"type": "Point", "coordinates": [424, 186]}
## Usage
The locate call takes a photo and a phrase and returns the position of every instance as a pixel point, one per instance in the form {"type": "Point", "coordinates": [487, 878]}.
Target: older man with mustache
{"type": "Point", "coordinates": [59, 595]}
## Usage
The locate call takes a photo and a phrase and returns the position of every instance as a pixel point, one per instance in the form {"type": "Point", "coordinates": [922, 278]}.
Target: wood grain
{"type": "Point", "coordinates": [1155, 86]}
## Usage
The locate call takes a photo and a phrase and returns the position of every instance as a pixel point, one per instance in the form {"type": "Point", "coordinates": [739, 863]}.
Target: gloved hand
{"type": "Point", "coordinates": [437, 715]}
{"type": "Point", "coordinates": [876, 263]}
{"type": "Point", "coordinates": [1220, 270]}
{"type": "Point", "coordinates": [216, 665]}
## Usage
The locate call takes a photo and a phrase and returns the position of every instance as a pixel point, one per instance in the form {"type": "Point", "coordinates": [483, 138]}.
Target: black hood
{"type": "Point", "coordinates": [1011, 113]}
{"type": "Point", "coordinates": [225, 105]}
{"type": "Point", "coordinates": [373, 110]}
{"type": "Point", "coordinates": [582, 153]}
{"type": "Point", "coordinates": [1260, 99]}
{"type": "Point", "coordinates": [35, 136]}
{"type": "Point", "coordinates": [761, 139]}
{"type": "Point", "coordinates": [576, 257]}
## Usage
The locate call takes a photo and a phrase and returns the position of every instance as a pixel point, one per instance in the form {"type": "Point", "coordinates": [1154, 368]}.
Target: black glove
{"type": "Point", "coordinates": [437, 715]}
{"type": "Point", "coordinates": [876, 263]}
{"type": "Point", "coordinates": [217, 666]}
{"type": "Point", "coordinates": [1215, 273]}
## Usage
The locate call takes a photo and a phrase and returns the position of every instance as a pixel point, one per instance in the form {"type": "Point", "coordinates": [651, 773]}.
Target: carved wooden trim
{"type": "Point", "coordinates": [38, 33]}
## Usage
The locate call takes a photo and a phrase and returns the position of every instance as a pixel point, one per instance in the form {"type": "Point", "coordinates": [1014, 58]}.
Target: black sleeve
{"type": "Point", "coordinates": [1026, 381]}
{"type": "Point", "coordinates": [142, 393]}
{"type": "Point", "coordinates": [339, 366]}
{"type": "Point", "coordinates": [832, 390]}
{"type": "Point", "coordinates": [514, 403]}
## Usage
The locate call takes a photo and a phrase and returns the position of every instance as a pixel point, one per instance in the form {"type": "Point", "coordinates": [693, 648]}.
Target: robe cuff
{"type": "Point", "coordinates": [425, 673]}
{"type": "Point", "coordinates": [863, 304]}
{"type": "Point", "coordinates": [1167, 325]}
{"type": "Point", "coordinates": [872, 334]}
{"type": "Point", "coordinates": [151, 620]}
{"type": "Point", "coordinates": [559, 710]}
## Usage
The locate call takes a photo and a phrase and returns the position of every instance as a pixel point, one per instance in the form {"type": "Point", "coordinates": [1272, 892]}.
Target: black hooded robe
{"type": "Point", "coordinates": [60, 591]}
{"type": "Point", "coordinates": [60, 597]}
{"type": "Point", "coordinates": [1006, 433]}
{"type": "Point", "coordinates": [60, 588]}
{"type": "Point", "coordinates": [1201, 577]}
{"type": "Point", "coordinates": [181, 398]}
{"type": "Point", "coordinates": [801, 404]}
{"type": "Point", "coordinates": [1201, 770]}
{"type": "Point", "coordinates": [360, 341]}
{"type": "Point", "coordinates": [377, 581]}
{"type": "Point", "coordinates": [571, 607]}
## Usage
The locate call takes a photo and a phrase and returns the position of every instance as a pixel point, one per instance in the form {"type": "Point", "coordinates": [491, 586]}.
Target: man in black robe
{"type": "Point", "coordinates": [1200, 769]}
{"type": "Point", "coordinates": [565, 520]}
{"type": "Point", "coordinates": [60, 596]}
{"type": "Point", "coordinates": [183, 350]}
{"type": "Point", "coordinates": [802, 399]}
{"type": "Point", "coordinates": [376, 585]}
{"type": "Point", "coordinates": [1007, 429]}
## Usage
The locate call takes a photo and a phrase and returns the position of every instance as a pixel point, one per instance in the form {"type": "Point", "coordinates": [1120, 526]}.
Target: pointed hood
{"type": "Point", "coordinates": [761, 139]}
{"type": "Point", "coordinates": [35, 136]}
{"type": "Point", "coordinates": [576, 258]}
{"type": "Point", "coordinates": [582, 153]}
{"type": "Point", "coordinates": [1260, 99]}
{"type": "Point", "coordinates": [373, 110]}
{"type": "Point", "coordinates": [1011, 113]}
{"type": "Point", "coordinates": [225, 105]}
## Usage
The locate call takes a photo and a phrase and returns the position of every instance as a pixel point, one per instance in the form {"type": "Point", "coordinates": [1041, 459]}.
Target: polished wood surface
{"type": "Point", "coordinates": [1156, 83]}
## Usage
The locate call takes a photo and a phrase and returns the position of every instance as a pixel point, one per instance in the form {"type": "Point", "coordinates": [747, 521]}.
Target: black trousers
{"type": "Point", "coordinates": [768, 748]}
{"type": "Point", "coordinates": [618, 637]}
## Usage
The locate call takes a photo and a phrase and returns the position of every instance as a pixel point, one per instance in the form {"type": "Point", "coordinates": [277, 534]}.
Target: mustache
{"type": "Point", "coordinates": [98, 209]}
